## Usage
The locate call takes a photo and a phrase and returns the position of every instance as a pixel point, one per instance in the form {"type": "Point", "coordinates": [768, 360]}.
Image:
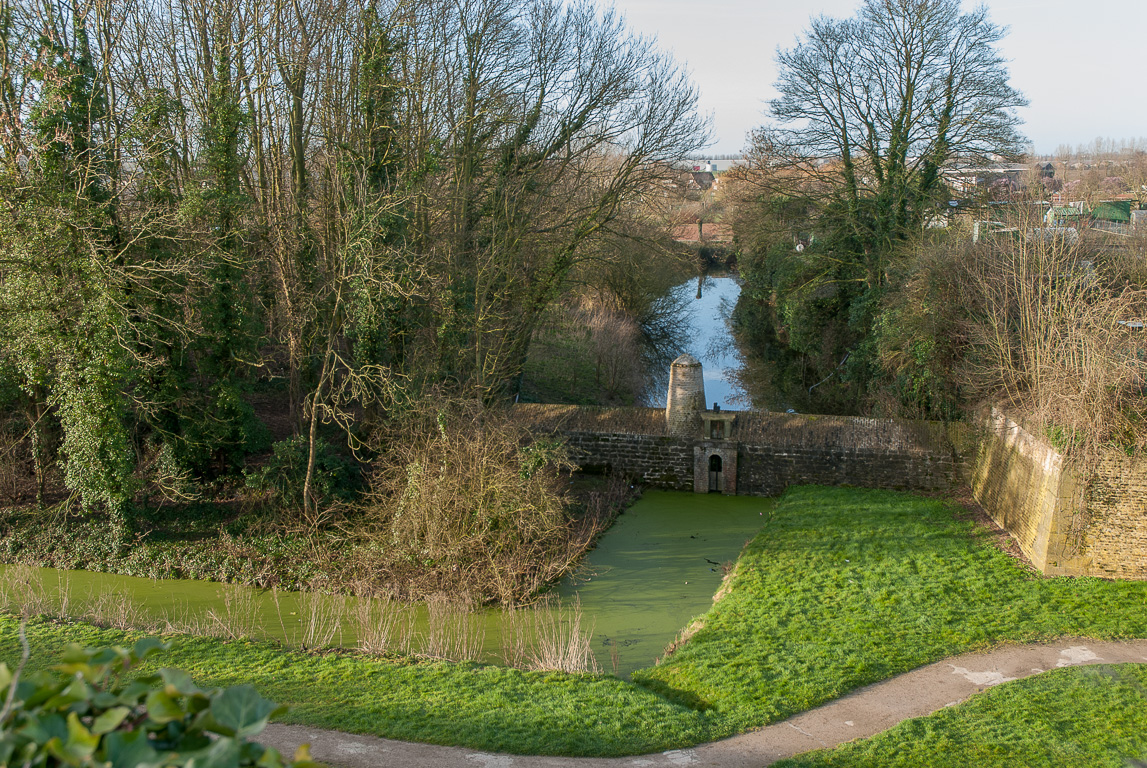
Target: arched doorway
{"type": "Point", "coordinates": [714, 474]}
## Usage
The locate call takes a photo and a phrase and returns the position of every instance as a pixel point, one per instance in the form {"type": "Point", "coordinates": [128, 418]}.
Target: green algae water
{"type": "Point", "coordinates": [657, 569]}
{"type": "Point", "coordinates": [651, 573]}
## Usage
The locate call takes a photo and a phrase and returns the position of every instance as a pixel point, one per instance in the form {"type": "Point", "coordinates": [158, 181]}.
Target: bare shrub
{"type": "Point", "coordinates": [384, 626]}
{"type": "Point", "coordinates": [454, 630]}
{"type": "Point", "coordinates": [560, 644]}
{"type": "Point", "coordinates": [1048, 337]}
{"type": "Point", "coordinates": [238, 616]}
{"type": "Point", "coordinates": [615, 341]}
{"type": "Point", "coordinates": [467, 504]}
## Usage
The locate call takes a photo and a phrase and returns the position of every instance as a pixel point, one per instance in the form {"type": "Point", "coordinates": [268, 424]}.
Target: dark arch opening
{"type": "Point", "coordinates": [715, 474]}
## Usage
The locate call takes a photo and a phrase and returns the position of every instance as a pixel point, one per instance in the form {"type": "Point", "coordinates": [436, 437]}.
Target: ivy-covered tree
{"type": "Point", "coordinates": [218, 426]}
{"type": "Point", "coordinates": [62, 296]}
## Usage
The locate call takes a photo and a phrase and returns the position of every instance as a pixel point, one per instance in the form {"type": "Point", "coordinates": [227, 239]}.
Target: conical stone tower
{"type": "Point", "coordinates": [686, 399]}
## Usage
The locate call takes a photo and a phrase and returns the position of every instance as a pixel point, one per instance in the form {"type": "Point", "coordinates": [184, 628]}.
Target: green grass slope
{"type": "Point", "coordinates": [842, 587]}
{"type": "Point", "coordinates": [845, 587]}
{"type": "Point", "coordinates": [483, 707]}
{"type": "Point", "coordinates": [1092, 717]}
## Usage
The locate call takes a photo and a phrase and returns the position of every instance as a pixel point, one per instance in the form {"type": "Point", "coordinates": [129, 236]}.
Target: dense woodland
{"type": "Point", "coordinates": [344, 209]}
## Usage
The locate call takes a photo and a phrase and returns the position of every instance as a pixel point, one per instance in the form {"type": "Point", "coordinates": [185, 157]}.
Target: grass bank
{"type": "Point", "coordinates": [1092, 717]}
{"type": "Point", "coordinates": [841, 588]}
{"type": "Point", "coordinates": [484, 707]}
{"type": "Point", "coordinates": [845, 587]}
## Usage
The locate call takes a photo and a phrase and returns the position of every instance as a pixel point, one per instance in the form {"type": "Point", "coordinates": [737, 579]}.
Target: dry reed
{"type": "Point", "coordinates": [239, 615]}
{"type": "Point", "coordinates": [559, 642]}
{"type": "Point", "coordinates": [548, 636]}
{"type": "Point", "coordinates": [454, 630]}
{"type": "Point", "coordinates": [384, 626]}
{"type": "Point", "coordinates": [115, 610]}
{"type": "Point", "coordinates": [322, 619]}
{"type": "Point", "coordinates": [23, 592]}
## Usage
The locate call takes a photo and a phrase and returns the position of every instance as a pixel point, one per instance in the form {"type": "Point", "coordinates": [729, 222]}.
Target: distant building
{"type": "Point", "coordinates": [702, 180]}
{"type": "Point", "coordinates": [1115, 211]}
{"type": "Point", "coordinates": [1063, 216]}
{"type": "Point", "coordinates": [967, 179]}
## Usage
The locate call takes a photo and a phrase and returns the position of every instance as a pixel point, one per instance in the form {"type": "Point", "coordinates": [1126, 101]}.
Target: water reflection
{"type": "Point", "coordinates": [705, 304]}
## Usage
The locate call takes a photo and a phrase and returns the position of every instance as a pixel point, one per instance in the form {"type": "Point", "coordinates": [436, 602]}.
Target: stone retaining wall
{"type": "Point", "coordinates": [767, 471]}
{"type": "Point", "coordinates": [775, 459]}
{"type": "Point", "coordinates": [1064, 526]}
{"type": "Point", "coordinates": [659, 460]}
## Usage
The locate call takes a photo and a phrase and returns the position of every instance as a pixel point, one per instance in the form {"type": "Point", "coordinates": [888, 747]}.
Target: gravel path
{"type": "Point", "coordinates": [862, 713]}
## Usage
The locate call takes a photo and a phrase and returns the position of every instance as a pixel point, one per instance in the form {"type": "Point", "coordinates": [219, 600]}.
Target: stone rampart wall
{"type": "Point", "coordinates": [764, 468]}
{"type": "Point", "coordinates": [1097, 527]}
{"type": "Point", "coordinates": [766, 471]}
{"type": "Point", "coordinates": [659, 460]}
{"type": "Point", "coordinates": [1064, 526]}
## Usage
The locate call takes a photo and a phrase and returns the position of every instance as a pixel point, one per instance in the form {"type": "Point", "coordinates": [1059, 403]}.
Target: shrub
{"type": "Point", "coordinates": [467, 502]}
{"type": "Point", "coordinates": [88, 712]}
{"type": "Point", "coordinates": [336, 477]}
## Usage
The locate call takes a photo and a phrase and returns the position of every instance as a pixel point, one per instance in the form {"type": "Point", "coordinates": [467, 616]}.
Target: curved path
{"type": "Point", "coordinates": [862, 713]}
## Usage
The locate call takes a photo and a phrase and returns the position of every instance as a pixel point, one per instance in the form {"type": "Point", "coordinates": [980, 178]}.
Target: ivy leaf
{"type": "Point", "coordinates": [180, 681]}
{"type": "Point", "coordinates": [129, 750]}
{"type": "Point", "coordinates": [161, 708]}
{"type": "Point", "coordinates": [79, 747]}
{"type": "Point", "coordinates": [77, 691]}
{"type": "Point", "coordinates": [110, 720]}
{"type": "Point", "coordinates": [149, 646]}
{"type": "Point", "coordinates": [240, 711]}
{"type": "Point", "coordinates": [223, 753]}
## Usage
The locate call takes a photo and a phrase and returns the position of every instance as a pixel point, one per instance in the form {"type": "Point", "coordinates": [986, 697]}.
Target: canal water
{"type": "Point", "coordinates": [653, 571]}
{"type": "Point", "coordinates": [708, 301]}
{"type": "Point", "coordinates": [658, 568]}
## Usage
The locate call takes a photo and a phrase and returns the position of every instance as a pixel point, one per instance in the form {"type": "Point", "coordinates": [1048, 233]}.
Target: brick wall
{"type": "Point", "coordinates": [660, 460]}
{"type": "Point", "coordinates": [1064, 526]}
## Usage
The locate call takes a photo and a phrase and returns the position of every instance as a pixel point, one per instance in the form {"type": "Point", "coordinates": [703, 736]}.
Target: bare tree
{"type": "Point", "coordinates": [874, 107]}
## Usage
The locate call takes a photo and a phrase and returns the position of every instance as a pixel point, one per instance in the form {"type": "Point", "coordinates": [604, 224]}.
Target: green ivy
{"type": "Point", "coordinates": [88, 711]}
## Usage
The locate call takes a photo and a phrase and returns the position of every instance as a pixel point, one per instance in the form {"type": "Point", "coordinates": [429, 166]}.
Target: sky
{"type": "Point", "coordinates": [1081, 65]}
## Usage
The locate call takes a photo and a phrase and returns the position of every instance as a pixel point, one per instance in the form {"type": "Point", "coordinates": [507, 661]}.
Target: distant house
{"type": "Point", "coordinates": [702, 180]}
{"type": "Point", "coordinates": [966, 179]}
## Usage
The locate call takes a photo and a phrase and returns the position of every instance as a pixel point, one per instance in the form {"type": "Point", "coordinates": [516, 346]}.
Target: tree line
{"type": "Point", "coordinates": [864, 291]}
{"type": "Point", "coordinates": [368, 201]}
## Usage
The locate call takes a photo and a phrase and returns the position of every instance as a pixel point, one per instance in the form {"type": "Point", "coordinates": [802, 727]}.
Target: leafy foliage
{"type": "Point", "coordinates": [337, 477]}
{"type": "Point", "coordinates": [89, 711]}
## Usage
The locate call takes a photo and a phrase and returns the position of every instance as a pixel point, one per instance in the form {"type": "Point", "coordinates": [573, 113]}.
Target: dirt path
{"type": "Point", "coordinates": [864, 712]}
